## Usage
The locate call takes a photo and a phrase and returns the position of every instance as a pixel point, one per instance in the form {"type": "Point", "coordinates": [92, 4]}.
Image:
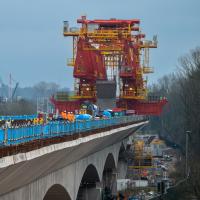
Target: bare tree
{"type": "Point", "coordinates": [22, 107]}
{"type": "Point", "coordinates": [183, 92]}
{"type": "Point", "coordinates": [44, 89]}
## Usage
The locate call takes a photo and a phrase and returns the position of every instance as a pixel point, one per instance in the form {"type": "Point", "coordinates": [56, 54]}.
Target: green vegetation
{"type": "Point", "coordinates": [21, 107]}
{"type": "Point", "coordinates": [182, 114]}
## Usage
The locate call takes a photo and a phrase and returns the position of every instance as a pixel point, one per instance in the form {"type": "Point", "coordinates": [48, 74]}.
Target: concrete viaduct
{"type": "Point", "coordinates": [75, 170]}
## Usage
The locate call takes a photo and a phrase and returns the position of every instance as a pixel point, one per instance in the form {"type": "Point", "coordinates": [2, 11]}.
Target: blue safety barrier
{"type": "Point", "coordinates": [18, 135]}
{"type": "Point", "coordinates": [1, 137]}
{"type": "Point", "coordinates": [18, 117]}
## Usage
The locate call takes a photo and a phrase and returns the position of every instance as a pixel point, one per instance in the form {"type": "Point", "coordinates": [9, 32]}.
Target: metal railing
{"type": "Point", "coordinates": [17, 135]}
{"type": "Point", "coordinates": [18, 117]}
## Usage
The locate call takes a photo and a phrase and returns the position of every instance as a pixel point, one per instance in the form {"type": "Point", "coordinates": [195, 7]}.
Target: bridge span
{"type": "Point", "coordinates": [71, 170]}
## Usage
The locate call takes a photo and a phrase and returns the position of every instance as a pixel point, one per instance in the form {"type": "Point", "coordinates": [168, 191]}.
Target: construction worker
{"type": "Point", "coordinates": [72, 117]}
{"type": "Point", "coordinates": [35, 121]}
{"type": "Point", "coordinates": [64, 115]}
{"type": "Point", "coordinates": [41, 120]}
{"type": "Point", "coordinates": [68, 116]}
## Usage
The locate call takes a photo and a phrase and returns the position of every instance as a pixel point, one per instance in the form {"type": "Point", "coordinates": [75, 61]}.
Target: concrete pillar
{"type": "Point", "coordinates": [88, 192]}
{"type": "Point", "coordinates": [122, 169]}
{"type": "Point", "coordinates": [114, 182]}
{"type": "Point", "coordinates": [57, 192]}
{"type": "Point", "coordinates": [110, 180]}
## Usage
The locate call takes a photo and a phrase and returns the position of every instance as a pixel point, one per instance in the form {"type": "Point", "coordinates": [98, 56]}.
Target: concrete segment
{"type": "Point", "coordinates": [30, 180]}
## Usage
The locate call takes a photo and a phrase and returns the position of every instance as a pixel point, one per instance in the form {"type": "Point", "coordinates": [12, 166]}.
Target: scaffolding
{"type": "Point", "coordinates": [111, 49]}
{"type": "Point", "coordinates": [119, 43]}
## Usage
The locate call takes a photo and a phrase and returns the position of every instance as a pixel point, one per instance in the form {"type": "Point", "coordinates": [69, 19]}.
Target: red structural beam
{"type": "Point", "coordinates": [69, 106]}
{"type": "Point", "coordinates": [150, 107]}
{"type": "Point", "coordinates": [109, 22]}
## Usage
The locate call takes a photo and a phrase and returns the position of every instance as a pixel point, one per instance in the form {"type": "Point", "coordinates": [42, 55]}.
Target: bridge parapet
{"type": "Point", "coordinates": [13, 136]}
{"type": "Point", "coordinates": [64, 164]}
{"type": "Point", "coordinates": [23, 152]}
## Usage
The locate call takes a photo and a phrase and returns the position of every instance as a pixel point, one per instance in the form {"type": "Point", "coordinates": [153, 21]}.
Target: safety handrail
{"type": "Point", "coordinates": [17, 135]}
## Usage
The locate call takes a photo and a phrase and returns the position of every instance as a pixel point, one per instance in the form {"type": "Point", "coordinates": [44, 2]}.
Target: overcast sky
{"type": "Point", "coordinates": [33, 48]}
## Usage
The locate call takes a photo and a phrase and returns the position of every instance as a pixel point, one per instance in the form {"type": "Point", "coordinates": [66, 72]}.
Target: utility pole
{"type": "Point", "coordinates": [10, 88]}
{"type": "Point", "coordinates": [186, 153]}
{"type": "Point", "coordinates": [7, 126]}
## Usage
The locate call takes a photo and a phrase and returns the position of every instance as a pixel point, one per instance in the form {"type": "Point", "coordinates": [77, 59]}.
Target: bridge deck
{"type": "Point", "coordinates": [20, 174]}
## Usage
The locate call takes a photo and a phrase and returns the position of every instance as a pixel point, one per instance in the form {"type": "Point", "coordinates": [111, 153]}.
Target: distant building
{"type": "Point", "coordinates": [3, 99]}
{"type": "Point", "coordinates": [157, 147]}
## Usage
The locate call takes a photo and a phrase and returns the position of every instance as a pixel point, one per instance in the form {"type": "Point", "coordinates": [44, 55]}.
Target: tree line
{"type": "Point", "coordinates": [181, 115]}
{"type": "Point", "coordinates": [25, 99]}
{"type": "Point", "coordinates": [41, 89]}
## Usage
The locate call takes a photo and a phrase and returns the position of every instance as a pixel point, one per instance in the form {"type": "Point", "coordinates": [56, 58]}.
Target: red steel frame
{"type": "Point", "coordinates": [121, 38]}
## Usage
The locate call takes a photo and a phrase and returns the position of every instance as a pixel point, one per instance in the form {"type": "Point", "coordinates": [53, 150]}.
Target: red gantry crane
{"type": "Point", "coordinates": [111, 49]}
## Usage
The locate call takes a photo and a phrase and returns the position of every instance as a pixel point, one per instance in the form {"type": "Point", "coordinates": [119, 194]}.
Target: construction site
{"type": "Point", "coordinates": [150, 164]}
{"type": "Point", "coordinates": [107, 133]}
{"type": "Point", "coordinates": [110, 61]}
{"type": "Point", "coordinates": [110, 55]}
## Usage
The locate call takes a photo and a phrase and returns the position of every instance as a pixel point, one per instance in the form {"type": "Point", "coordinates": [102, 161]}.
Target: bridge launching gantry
{"type": "Point", "coordinates": [116, 50]}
